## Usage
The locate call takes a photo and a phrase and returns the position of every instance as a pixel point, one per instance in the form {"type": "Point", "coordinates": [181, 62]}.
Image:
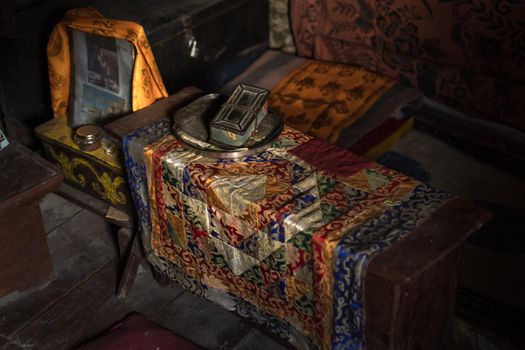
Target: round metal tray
{"type": "Point", "coordinates": [190, 126]}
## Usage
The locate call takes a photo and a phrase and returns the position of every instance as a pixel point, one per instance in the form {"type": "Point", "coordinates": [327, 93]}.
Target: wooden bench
{"type": "Point", "coordinates": [25, 178]}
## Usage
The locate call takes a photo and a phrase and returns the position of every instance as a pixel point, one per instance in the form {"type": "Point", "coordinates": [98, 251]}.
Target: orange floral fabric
{"type": "Point", "coordinates": [469, 55]}
{"type": "Point", "coordinates": [321, 99]}
{"type": "Point", "coordinates": [147, 85]}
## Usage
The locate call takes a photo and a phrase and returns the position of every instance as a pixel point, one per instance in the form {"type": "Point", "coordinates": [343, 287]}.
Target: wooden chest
{"type": "Point", "coordinates": [411, 287]}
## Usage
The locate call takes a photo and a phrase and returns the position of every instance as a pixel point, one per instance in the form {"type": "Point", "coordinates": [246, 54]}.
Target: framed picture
{"type": "Point", "coordinates": [101, 76]}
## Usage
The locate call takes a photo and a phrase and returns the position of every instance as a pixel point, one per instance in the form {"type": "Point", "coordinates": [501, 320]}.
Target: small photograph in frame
{"type": "Point", "coordinates": [101, 78]}
{"type": "Point", "coordinates": [102, 62]}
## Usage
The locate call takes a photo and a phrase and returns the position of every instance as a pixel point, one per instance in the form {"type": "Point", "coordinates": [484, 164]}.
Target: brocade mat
{"type": "Point", "coordinates": [283, 237]}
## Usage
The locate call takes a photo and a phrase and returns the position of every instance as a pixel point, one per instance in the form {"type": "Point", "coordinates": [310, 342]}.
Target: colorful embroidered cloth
{"type": "Point", "coordinates": [283, 237]}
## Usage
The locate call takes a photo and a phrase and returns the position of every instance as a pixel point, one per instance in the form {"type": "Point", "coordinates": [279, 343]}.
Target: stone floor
{"type": "Point", "coordinates": [79, 303]}
{"type": "Point", "coordinates": [457, 172]}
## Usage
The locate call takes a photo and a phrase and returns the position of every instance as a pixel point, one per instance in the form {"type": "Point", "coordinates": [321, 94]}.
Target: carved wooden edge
{"type": "Point", "coordinates": [157, 111]}
{"type": "Point", "coordinates": [435, 238]}
{"type": "Point", "coordinates": [48, 184]}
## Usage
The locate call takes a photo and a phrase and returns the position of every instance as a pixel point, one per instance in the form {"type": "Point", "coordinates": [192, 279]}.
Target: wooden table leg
{"type": "Point", "coordinates": [130, 260]}
{"type": "Point", "coordinates": [129, 247]}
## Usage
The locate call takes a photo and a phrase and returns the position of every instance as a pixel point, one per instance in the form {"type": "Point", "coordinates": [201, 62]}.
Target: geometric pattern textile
{"type": "Point", "coordinates": [283, 236]}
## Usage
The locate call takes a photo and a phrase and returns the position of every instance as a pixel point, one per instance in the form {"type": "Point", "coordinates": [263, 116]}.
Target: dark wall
{"type": "Point", "coordinates": [230, 34]}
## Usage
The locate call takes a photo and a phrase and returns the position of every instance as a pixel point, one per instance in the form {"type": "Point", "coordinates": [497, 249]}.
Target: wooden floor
{"type": "Point", "coordinates": [80, 303]}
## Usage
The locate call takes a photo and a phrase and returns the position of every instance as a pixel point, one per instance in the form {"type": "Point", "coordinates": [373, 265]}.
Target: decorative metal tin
{"type": "Point", "coordinates": [109, 148]}
{"type": "Point", "coordinates": [94, 172]}
{"type": "Point", "coordinates": [239, 117]}
{"type": "Point", "coordinates": [190, 127]}
{"type": "Point", "coordinates": [88, 137]}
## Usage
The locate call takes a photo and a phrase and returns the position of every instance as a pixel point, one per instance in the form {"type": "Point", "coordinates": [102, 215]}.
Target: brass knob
{"type": "Point", "coordinates": [88, 137]}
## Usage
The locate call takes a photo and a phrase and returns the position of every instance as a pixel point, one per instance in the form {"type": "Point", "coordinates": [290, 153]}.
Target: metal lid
{"type": "Point", "coordinates": [249, 97]}
{"type": "Point", "coordinates": [89, 133]}
{"type": "Point", "coordinates": [234, 119]}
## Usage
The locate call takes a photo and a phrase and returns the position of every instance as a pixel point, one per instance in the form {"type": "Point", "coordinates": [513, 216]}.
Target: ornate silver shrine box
{"type": "Point", "coordinates": [239, 117]}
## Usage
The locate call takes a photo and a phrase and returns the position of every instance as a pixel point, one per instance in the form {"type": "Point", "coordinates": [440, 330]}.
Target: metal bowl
{"type": "Point", "coordinates": [191, 127]}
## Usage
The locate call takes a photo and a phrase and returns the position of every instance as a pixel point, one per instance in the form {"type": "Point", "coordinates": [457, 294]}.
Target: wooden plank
{"type": "Point", "coordinates": [10, 346]}
{"type": "Point", "coordinates": [443, 232]}
{"type": "Point", "coordinates": [25, 176]}
{"type": "Point", "coordinates": [56, 210]}
{"type": "Point", "coordinates": [78, 248]}
{"type": "Point", "coordinates": [203, 322]}
{"type": "Point", "coordinates": [425, 305]}
{"type": "Point", "coordinates": [255, 340]}
{"type": "Point", "coordinates": [95, 205]}
{"type": "Point", "coordinates": [147, 298]}
{"type": "Point", "coordinates": [25, 261]}
{"type": "Point", "coordinates": [130, 260]}
{"type": "Point", "coordinates": [157, 111]}
{"type": "Point", "coordinates": [112, 215]}
{"type": "Point", "coordinates": [416, 314]}
{"type": "Point", "coordinates": [119, 218]}
{"type": "Point", "coordinates": [82, 199]}
{"type": "Point", "coordinates": [410, 287]}
{"type": "Point", "coordinates": [62, 323]}
{"type": "Point", "coordinates": [124, 240]}
{"type": "Point", "coordinates": [3, 341]}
